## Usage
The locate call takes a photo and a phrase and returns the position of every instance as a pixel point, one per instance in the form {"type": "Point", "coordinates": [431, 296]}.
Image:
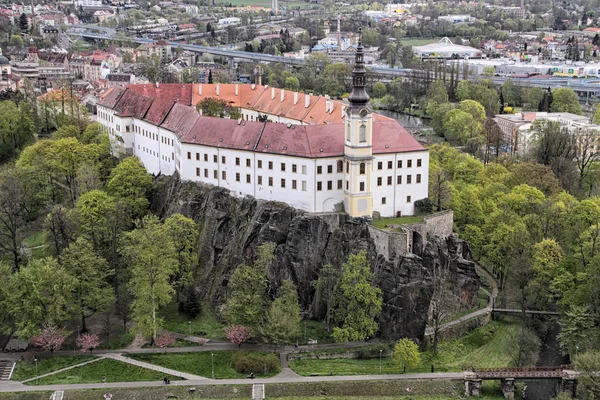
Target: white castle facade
{"type": "Point", "coordinates": [317, 155]}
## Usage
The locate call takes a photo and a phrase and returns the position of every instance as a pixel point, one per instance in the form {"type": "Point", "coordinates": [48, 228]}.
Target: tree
{"type": "Point", "coordinates": [93, 210]}
{"type": "Point", "coordinates": [92, 293]}
{"type": "Point", "coordinates": [292, 83]}
{"type": "Point", "coordinates": [282, 321]}
{"type": "Point", "coordinates": [460, 126]}
{"type": "Point", "coordinates": [130, 182]}
{"type": "Point", "coordinates": [406, 353]}
{"type": "Point", "coordinates": [164, 340]}
{"type": "Point", "coordinates": [247, 299]}
{"type": "Point", "coordinates": [87, 341]}
{"type": "Point", "coordinates": [555, 147]}
{"type": "Point", "coordinates": [16, 128]}
{"type": "Point", "coordinates": [379, 90]}
{"type": "Point", "coordinates": [61, 228]}
{"type": "Point", "coordinates": [585, 155]}
{"type": "Point", "coordinates": [16, 40]}
{"type": "Point", "coordinates": [596, 117]}
{"type": "Point", "coordinates": [437, 93]}
{"type": "Point", "coordinates": [41, 295]}
{"type": "Point", "coordinates": [523, 346]}
{"type": "Point", "coordinates": [565, 100]}
{"type": "Point", "coordinates": [238, 334]}
{"type": "Point", "coordinates": [326, 285]}
{"type": "Point", "coordinates": [153, 259]}
{"type": "Point", "coordinates": [588, 364]}
{"type": "Point", "coordinates": [21, 198]}
{"type": "Point", "coordinates": [357, 302]}
{"type": "Point", "coordinates": [578, 330]}
{"type": "Point", "coordinates": [184, 234]}
{"type": "Point", "coordinates": [50, 339]}
{"type": "Point", "coordinates": [23, 23]}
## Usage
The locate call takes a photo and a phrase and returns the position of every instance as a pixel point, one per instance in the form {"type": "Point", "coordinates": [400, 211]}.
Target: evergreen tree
{"type": "Point", "coordinates": [210, 78]}
{"type": "Point", "coordinates": [23, 23]}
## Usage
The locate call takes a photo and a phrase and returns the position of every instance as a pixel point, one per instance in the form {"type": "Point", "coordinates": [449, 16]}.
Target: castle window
{"type": "Point", "coordinates": [409, 179]}
{"type": "Point", "coordinates": [339, 185]}
{"type": "Point", "coordinates": [363, 134]}
{"type": "Point", "coordinates": [237, 161]}
{"type": "Point", "coordinates": [408, 199]}
{"type": "Point", "coordinates": [347, 167]}
{"type": "Point", "coordinates": [408, 163]}
{"type": "Point", "coordinates": [224, 175]}
{"type": "Point", "coordinates": [383, 200]}
{"type": "Point", "coordinates": [418, 162]}
{"type": "Point", "coordinates": [206, 172]}
{"type": "Point", "coordinates": [304, 186]}
{"type": "Point", "coordinates": [247, 178]}
{"type": "Point", "coordinates": [418, 178]}
{"type": "Point", "coordinates": [270, 181]}
{"type": "Point", "coordinates": [197, 156]}
{"type": "Point", "coordinates": [390, 164]}
{"type": "Point", "coordinates": [380, 165]}
{"type": "Point", "coordinates": [197, 171]}
{"type": "Point", "coordinates": [362, 186]}
{"type": "Point", "coordinates": [260, 180]}
{"type": "Point", "coordinates": [270, 164]}
{"type": "Point", "coordinates": [215, 158]}
{"type": "Point", "coordinates": [319, 170]}
{"type": "Point", "coordinates": [248, 162]}
{"type": "Point", "coordinates": [399, 180]}
{"type": "Point", "coordinates": [282, 167]}
{"type": "Point", "coordinates": [379, 181]}
{"type": "Point", "coordinates": [347, 185]}
{"type": "Point", "coordinates": [294, 184]}
{"type": "Point", "coordinates": [389, 180]}
{"type": "Point", "coordinates": [206, 157]}
{"type": "Point", "coordinates": [215, 174]}
{"type": "Point", "coordinates": [223, 160]}
{"type": "Point", "coordinates": [189, 155]}
{"type": "Point", "coordinates": [282, 183]}
{"type": "Point", "coordinates": [319, 185]}
{"type": "Point", "coordinates": [340, 166]}
{"type": "Point", "coordinates": [362, 168]}
{"type": "Point", "coordinates": [329, 185]}
{"type": "Point", "coordinates": [259, 163]}
{"type": "Point", "coordinates": [399, 163]}
{"type": "Point", "coordinates": [330, 169]}
{"type": "Point", "coordinates": [294, 168]}
{"type": "Point", "coordinates": [348, 133]}
{"type": "Point", "coordinates": [237, 176]}
{"type": "Point", "coordinates": [304, 171]}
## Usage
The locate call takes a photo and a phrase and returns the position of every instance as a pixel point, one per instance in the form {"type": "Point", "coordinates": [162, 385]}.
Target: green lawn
{"type": "Point", "coordinates": [484, 347]}
{"type": "Point", "coordinates": [381, 223]}
{"type": "Point", "coordinates": [205, 325]}
{"type": "Point", "coordinates": [26, 369]}
{"type": "Point", "coordinates": [199, 363]}
{"type": "Point", "coordinates": [114, 371]}
{"type": "Point", "coordinates": [418, 42]}
{"type": "Point", "coordinates": [315, 330]}
{"type": "Point", "coordinates": [37, 243]}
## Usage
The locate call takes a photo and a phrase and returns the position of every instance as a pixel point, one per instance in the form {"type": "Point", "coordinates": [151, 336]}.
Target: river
{"type": "Point", "coordinates": [410, 122]}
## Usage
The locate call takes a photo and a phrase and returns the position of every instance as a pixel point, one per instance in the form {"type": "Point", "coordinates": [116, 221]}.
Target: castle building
{"type": "Point", "coordinates": [313, 153]}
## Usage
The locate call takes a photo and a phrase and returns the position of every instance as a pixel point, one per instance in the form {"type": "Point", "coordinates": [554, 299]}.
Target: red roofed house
{"type": "Point", "coordinates": [323, 155]}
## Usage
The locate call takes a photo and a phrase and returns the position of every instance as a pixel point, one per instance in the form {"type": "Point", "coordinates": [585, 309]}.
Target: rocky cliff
{"type": "Point", "coordinates": [232, 227]}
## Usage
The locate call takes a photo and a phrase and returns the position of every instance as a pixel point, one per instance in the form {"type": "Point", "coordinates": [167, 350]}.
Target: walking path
{"type": "Point", "coordinates": [153, 367]}
{"type": "Point", "coordinates": [491, 298]}
{"type": "Point", "coordinates": [9, 386]}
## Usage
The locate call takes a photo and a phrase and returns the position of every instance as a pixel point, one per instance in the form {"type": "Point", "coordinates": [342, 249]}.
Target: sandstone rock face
{"type": "Point", "coordinates": [231, 228]}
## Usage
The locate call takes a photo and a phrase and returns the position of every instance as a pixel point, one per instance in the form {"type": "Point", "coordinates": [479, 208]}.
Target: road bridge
{"type": "Point", "coordinates": [565, 376]}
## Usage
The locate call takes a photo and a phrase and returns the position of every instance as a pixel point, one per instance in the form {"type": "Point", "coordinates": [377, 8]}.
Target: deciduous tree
{"type": "Point", "coordinates": [88, 341]}
{"type": "Point", "coordinates": [406, 353]}
{"type": "Point", "coordinates": [51, 338]}
{"type": "Point", "coordinates": [164, 340]}
{"type": "Point", "coordinates": [238, 334]}
{"type": "Point", "coordinates": [357, 302]}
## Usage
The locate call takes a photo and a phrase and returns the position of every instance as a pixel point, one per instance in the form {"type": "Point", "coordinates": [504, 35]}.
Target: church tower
{"type": "Point", "coordinates": [358, 148]}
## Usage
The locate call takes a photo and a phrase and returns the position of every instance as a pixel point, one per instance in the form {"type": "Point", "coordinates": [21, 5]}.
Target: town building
{"type": "Point", "coordinates": [517, 132]}
{"type": "Point", "coordinates": [445, 49]}
{"type": "Point", "coordinates": [312, 152]}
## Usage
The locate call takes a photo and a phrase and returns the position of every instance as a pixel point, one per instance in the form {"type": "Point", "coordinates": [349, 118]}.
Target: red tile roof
{"type": "Point", "coordinates": [224, 133]}
{"type": "Point", "coordinates": [158, 111]}
{"type": "Point", "coordinates": [181, 119]}
{"type": "Point", "coordinates": [391, 137]}
{"type": "Point", "coordinates": [112, 96]}
{"type": "Point", "coordinates": [168, 91]}
{"type": "Point", "coordinates": [133, 105]}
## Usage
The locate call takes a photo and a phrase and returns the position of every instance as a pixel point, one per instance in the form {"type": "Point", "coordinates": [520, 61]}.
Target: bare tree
{"type": "Point", "coordinates": [494, 138]}
{"type": "Point", "coordinates": [555, 147]}
{"type": "Point", "coordinates": [439, 187]}
{"type": "Point", "coordinates": [585, 154]}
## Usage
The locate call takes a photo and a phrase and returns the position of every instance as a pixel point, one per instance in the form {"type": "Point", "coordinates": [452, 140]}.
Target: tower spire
{"type": "Point", "coordinates": [359, 96]}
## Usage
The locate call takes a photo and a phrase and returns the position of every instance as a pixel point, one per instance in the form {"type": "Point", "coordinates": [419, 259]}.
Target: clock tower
{"type": "Point", "coordinates": [358, 147]}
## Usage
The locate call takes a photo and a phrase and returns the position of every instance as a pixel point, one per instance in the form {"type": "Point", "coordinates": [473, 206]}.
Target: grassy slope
{"type": "Point", "coordinates": [114, 371]}
{"type": "Point", "coordinates": [197, 363]}
{"type": "Point", "coordinates": [381, 223]}
{"type": "Point", "coordinates": [26, 369]}
{"type": "Point", "coordinates": [205, 325]}
{"type": "Point", "coordinates": [484, 347]}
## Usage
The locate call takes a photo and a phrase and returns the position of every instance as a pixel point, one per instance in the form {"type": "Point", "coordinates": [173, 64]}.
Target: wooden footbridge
{"type": "Point", "coordinates": [564, 374]}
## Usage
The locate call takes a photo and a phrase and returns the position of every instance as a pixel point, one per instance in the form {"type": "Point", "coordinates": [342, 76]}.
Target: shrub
{"type": "Point", "coordinates": [246, 362]}
{"type": "Point", "coordinates": [372, 351]}
{"type": "Point", "coordinates": [424, 206]}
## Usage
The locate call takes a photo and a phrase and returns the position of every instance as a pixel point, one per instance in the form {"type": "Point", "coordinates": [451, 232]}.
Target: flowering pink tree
{"type": "Point", "coordinates": [50, 338]}
{"type": "Point", "coordinates": [238, 334]}
{"type": "Point", "coordinates": [88, 341]}
{"type": "Point", "coordinates": [164, 340]}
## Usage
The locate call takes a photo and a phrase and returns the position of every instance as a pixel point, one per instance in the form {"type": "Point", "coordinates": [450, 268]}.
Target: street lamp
{"type": "Point", "coordinates": [190, 327]}
{"type": "Point", "coordinates": [36, 374]}
{"type": "Point", "coordinates": [212, 363]}
{"type": "Point", "coordinates": [380, 354]}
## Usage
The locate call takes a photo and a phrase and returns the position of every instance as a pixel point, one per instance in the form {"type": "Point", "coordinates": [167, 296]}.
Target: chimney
{"type": "Point", "coordinates": [200, 89]}
{"type": "Point", "coordinates": [253, 86]}
{"type": "Point", "coordinates": [282, 95]}
{"type": "Point", "coordinates": [217, 89]}
{"type": "Point", "coordinates": [327, 106]}
{"type": "Point", "coordinates": [272, 93]}
{"type": "Point", "coordinates": [157, 84]}
{"type": "Point", "coordinates": [295, 98]}
{"type": "Point", "coordinates": [236, 89]}
{"type": "Point", "coordinates": [306, 100]}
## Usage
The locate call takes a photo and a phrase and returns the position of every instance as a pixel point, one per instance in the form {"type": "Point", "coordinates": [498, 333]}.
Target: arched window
{"type": "Point", "coordinates": [363, 133]}
{"type": "Point", "coordinates": [340, 166]}
{"type": "Point", "coordinates": [347, 167]}
{"type": "Point", "coordinates": [348, 133]}
{"type": "Point", "coordinates": [362, 168]}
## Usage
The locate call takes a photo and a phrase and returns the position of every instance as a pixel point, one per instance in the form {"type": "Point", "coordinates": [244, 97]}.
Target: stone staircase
{"type": "Point", "coordinates": [6, 367]}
